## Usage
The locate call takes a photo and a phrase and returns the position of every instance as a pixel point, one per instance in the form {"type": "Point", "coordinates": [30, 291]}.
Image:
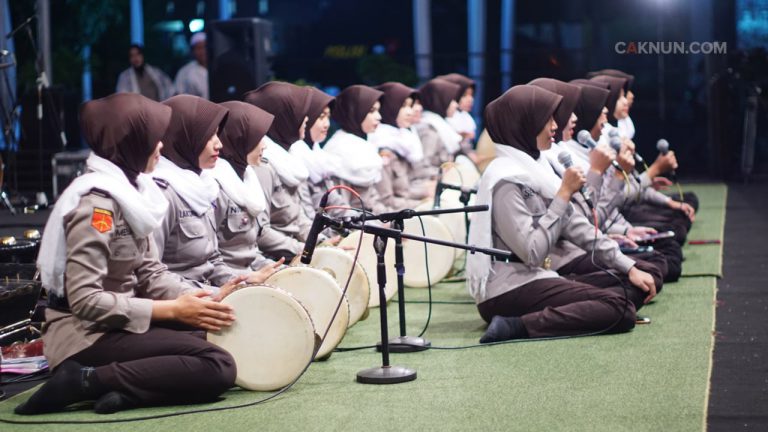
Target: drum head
{"type": "Point", "coordinates": [271, 340]}
{"type": "Point", "coordinates": [440, 257]}
{"type": "Point", "coordinates": [319, 293]}
{"type": "Point", "coordinates": [339, 263]}
{"type": "Point", "coordinates": [453, 221]}
{"type": "Point", "coordinates": [367, 259]}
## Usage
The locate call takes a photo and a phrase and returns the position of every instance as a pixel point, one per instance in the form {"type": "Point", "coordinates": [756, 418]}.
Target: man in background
{"type": "Point", "coordinates": [193, 77]}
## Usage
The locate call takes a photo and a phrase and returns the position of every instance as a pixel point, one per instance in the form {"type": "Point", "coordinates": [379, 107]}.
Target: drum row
{"type": "Point", "coordinates": [302, 312]}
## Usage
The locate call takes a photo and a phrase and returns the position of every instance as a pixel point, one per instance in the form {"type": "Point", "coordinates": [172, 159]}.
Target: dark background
{"type": "Point", "coordinates": [697, 102]}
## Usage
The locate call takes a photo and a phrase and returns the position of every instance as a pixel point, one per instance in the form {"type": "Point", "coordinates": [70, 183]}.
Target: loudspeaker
{"type": "Point", "coordinates": [239, 57]}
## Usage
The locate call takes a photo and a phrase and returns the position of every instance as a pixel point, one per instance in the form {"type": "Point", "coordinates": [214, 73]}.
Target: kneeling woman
{"type": "Point", "coordinates": [522, 297]}
{"type": "Point", "coordinates": [107, 288]}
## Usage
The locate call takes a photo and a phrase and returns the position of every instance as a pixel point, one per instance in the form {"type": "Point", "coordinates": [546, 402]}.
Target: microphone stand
{"type": "Point", "coordinates": [405, 343]}
{"type": "Point", "coordinates": [386, 373]}
{"type": "Point", "coordinates": [464, 197]}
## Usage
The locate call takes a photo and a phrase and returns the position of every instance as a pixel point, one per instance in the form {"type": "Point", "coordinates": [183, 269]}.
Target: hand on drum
{"type": "Point", "coordinates": [262, 274]}
{"type": "Point", "coordinates": [199, 310]}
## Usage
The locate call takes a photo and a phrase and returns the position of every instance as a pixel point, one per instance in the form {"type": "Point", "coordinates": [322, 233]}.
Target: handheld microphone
{"type": "Point", "coordinates": [585, 138]}
{"type": "Point", "coordinates": [565, 160]}
{"type": "Point", "coordinates": [613, 133]}
{"type": "Point", "coordinates": [615, 143]}
{"type": "Point", "coordinates": [662, 146]}
{"type": "Point", "coordinates": [318, 224]}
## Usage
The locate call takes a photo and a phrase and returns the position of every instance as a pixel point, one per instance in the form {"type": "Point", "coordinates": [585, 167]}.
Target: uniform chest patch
{"type": "Point", "coordinates": [101, 220]}
{"type": "Point", "coordinates": [527, 191]}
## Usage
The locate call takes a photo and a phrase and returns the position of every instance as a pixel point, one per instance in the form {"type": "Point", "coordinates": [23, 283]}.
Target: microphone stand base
{"type": "Point", "coordinates": [406, 344]}
{"type": "Point", "coordinates": [386, 375]}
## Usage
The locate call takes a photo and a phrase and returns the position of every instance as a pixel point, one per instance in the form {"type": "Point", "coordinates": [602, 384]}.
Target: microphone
{"type": "Point", "coordinates": [565, 160]}
{"type": "Point", "coordinates": [318, 224]}
{"type": "Point", "coordinates": [662, 146]}
{"type": "Point", "coordinates": [585, 138]}
{"type": "Point", "coordinates": [613, 133]}
{"type": "Point", "coordinates": [615, 143]}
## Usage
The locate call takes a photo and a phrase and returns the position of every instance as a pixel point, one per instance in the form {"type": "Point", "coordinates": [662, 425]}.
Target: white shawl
{"type": "Point", "coordinates": [361, 164]}
{"type": "Point", "coordinates": [144, 210]}
{"type": "Point", "coordinates": [289, 168]}
{"type": "Point", "coordinates": [462, 122]}
{"type": "Point", "coordinates": [319, 163]}
{"type": "Point", "coordinates": [511, 165]}
{"type": "Point", "coordinates": [198, 191]}
{"type": "Point", "coordinates": [404, 142]}
{"type": "Point", "coordinates": [627, 127]}
{"type": "Point", "coordinates": [450, 138]}
{"type": "Point", "coordinates": [246, 193]}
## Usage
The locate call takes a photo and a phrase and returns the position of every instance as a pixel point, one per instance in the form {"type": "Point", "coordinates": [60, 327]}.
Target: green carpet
{"type": "Point", "coordinates": [653, 378]}
{"type": "Point", "coordinates": [706, 260]}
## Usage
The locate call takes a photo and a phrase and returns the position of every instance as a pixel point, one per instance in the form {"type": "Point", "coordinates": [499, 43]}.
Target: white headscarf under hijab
{"type": "Point", "coordinates": [361, 164]}
{"type": "Point", "coordinates": [246, 193]}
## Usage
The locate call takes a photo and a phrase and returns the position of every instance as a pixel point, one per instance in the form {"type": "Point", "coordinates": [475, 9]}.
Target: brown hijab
{"type": "Point", "coordinates": [352, 105]}
{"type": "Point", "coordinates": [393, 99]}
{"type": "Point", "coordinates": [516, 117]}
{"type": "Point", "coordinates": [570, 94]}
{"type": "Point", "coordinates": [193, 122]}
{"type": "Point", "coordinates": [245, 127]}
{"type": "Point", "coordinates": [582, 81]}
{"type": "Point", "coordinates": [289, 103]}
{"type": "Point", "coordinates": [463, 81]}
{"type": "Point", "coordinates": [615, 85]}
{"type": "Point", "coordinates": [590, 105]}
{"type": "Point", "coordinates": [318, 100]}
{"type": "Point", "coordinates": [124, 128]}
{"type": "Point", "coordinates": [437, 94]}
{"type": "Point", "coordinates": [615, 73]}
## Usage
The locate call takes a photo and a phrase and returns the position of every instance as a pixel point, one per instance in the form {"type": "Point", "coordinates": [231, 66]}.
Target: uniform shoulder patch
{"type": "Point", "coordinates": [101, 220]}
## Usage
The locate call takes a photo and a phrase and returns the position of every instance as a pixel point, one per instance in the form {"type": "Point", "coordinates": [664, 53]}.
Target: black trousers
{"type": "Point", "coordinates": [563, 307]}
{"type": "Point", "coordinates": [582, 269]}
{"type": "Point", "coordinates": [161, 366]}
{"type": "Point", "coordinates": [660, 218]}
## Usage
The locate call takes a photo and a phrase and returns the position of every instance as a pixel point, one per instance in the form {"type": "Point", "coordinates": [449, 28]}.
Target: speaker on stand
{"type": "Point", "coordinates": [239, 57]}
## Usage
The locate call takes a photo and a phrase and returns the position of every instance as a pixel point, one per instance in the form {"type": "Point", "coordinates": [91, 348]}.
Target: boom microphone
{"type": "Point", "coordinates": [318, 224]}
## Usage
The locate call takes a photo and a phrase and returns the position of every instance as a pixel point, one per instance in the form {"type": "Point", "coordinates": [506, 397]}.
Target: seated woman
{"type": "Point", "coordinates": [282, 174]}
{"type": "Point", "coordinates": [440, 142]}
{"type": "Point", "coordinates": [321, 165]}
{"type": "Point", "coordinates": [241, 200]}
{"type": "Point", "coordinates": [398, 146]}
{"type": "Point", "coordinates": [187, 240]}
{"type": "Point", "coordinates": [522, 297]}
{"type": "Point", "coordinates": [360, 166]}
{"type": "Point", "coordinates": [108, 291]}
{"type": "Point", "coordinates": [462, 121]}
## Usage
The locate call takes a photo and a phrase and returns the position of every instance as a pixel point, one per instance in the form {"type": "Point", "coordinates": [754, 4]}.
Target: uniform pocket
{"type": "Point", "coordinates": [239, 222]}
{"type": "Point", "coordinates": [192, 228]}
{"type": "Point", "coordinates": [123, 249]}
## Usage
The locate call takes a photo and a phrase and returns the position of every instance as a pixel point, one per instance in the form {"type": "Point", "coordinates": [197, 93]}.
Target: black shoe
{"type": "Point", "coordinates": [504, 328]}
{"type": "Point", "coordinates": [113, 402]}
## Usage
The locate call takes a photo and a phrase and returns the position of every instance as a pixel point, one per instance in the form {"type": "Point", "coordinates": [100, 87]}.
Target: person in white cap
{"type": "Point", "coordinates": [192, 78]}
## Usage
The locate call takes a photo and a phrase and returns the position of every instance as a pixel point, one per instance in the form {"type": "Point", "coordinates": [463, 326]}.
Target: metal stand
{"type": "Point", "coordinates": [386, 373]}
{"type": "Point", "coordinates": [466, 194]}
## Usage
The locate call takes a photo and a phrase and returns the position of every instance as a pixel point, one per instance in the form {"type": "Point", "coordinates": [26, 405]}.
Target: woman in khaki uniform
{"type": "Point", "coordinates": [241, 199]}
{"type": "Point", "coordinates": [282, 174]}
{"type": "Point", "coordinates": [108, 292]}
{"type": "Point", "coordinates": [187, 239]}
{"type": "Point", "coordinates": [522, 297]}
{"type": "Point", "coordinates": [400, 148]}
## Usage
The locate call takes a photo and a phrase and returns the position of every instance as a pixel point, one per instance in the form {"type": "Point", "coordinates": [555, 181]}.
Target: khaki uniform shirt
{"type": "Point", "coordinates": [188, 245]}
{"type": "Point", "coordinates": [110, 280]}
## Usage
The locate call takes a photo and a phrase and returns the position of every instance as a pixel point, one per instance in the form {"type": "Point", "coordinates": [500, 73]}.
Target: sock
{"type": "Point", "coordinates": [504, 328]}
{"type": "Point", "coordinates": [113, 402]}
{"type": "Point", "coordinates": [70, 383]}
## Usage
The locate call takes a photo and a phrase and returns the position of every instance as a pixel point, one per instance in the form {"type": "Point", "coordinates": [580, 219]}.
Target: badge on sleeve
{"type": "Point", "coordinates": [101, 220]}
